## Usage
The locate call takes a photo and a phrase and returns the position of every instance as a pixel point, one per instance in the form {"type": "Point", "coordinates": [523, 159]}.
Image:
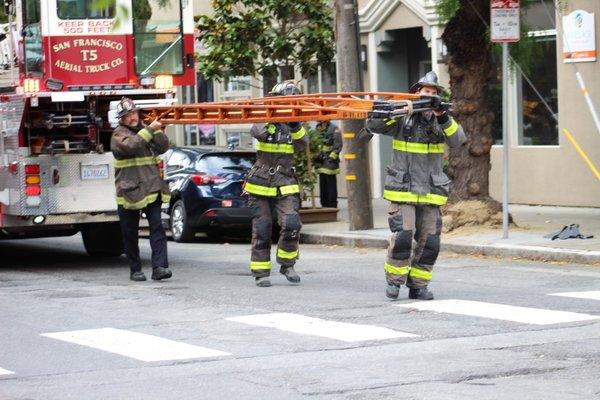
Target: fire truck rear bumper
{"type": "Point", "coordinates": [12, 222]}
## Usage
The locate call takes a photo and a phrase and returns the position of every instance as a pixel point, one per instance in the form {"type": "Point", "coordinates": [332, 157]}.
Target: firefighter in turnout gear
{"type": "Point", "coordinates": [328, 162]}
{"type": "Point", "coordinates": [416, 186]}
{"type": "Point", "coordinates": [140, 187]}
{"type": "Point", "coordinates": [274, 192]}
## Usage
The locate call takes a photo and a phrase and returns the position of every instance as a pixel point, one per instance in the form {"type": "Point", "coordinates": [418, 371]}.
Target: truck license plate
{"type": "Point", "coordinates": [90, 172]}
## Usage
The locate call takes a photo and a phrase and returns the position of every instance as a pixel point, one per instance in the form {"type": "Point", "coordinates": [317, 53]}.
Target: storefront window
{"type": "Point", "coordinates": [158, 37]}
{"type": "Point", "coordinates": [539, 124]}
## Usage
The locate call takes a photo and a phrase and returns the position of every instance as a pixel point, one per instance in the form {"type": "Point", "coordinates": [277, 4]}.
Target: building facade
{"type": "Point", "coordinates": [401, 41]}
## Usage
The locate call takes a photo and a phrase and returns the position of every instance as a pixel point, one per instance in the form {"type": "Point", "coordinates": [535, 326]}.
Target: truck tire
{"type": "Point", "coordinates": [103, 240]}
{"type": "Point", "coordinates": [180, 229]}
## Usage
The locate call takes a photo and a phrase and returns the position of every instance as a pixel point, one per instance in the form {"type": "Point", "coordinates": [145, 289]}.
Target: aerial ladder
{"type": "Point", "coordinates": [299, 108]}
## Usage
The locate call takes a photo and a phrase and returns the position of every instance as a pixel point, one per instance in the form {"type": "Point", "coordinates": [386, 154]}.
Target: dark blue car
{"type": "Point", "coordinates": [206, 189]}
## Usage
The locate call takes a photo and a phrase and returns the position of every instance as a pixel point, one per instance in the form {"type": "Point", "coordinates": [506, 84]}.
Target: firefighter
{"type": "Point", "coordinates": [140, 187]}
{"type": "Point", "coordinates": [416, 186]}
{"type": "Point", "coordinates": [328, 161]}
{"type": "Point", "coordinates": [274, 192]}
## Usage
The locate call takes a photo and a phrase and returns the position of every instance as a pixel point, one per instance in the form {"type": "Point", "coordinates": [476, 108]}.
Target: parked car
{"type": "Point", "coordinates": [206, 191]}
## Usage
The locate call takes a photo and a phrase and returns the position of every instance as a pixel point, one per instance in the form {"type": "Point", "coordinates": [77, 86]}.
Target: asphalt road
{"type": "Point", "coordinates": [76, 328]}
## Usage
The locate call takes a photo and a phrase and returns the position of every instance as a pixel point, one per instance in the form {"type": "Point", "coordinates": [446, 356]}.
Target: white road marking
{"type": "Point", "coordinates": [593, 295]}
{"type": "Point", "coordinates": [524, 315]}
{"type": "Point", "coordinates": [5, 372]}
{"type": "Point", "coordinates": [135, 345]}
{"type": "Point", "coordinates": [304, 325]}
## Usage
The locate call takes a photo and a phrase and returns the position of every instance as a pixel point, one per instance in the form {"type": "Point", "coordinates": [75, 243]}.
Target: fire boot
{"type": "Point", "coordinates": [263, 282]}
{"type": "Point", "coordinates": [291, 275]}
{"type": "Point", "coordinates": [159, 273]}
{"type": "Point", "coordinates": [420, 294]}
{"type": "Point", "coordinates": [137, 276]}
{"type": "Point", "coordinates": [392, 291]}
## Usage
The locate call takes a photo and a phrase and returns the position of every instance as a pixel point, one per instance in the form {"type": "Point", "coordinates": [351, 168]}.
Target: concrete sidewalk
{"type": "Point", "coordinates": [525, 241]}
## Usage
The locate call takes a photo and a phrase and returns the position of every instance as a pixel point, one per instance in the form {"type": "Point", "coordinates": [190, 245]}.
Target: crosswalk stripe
{"type": "Point", "coordinates": [5, 372]}
{"type": "Point", "coordinates": [302, 324]}
{"type": "Point", "coordinates": [524, 315]}
{"type": "Point", "coordinates": [591, 295]}
{"type": "Point", "coordinates": [135, 345]}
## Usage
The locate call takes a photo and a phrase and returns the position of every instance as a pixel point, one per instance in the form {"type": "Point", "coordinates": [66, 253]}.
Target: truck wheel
{"type": "Point", "coordinates": [103, 240]}
{"type": "Point", "coordinates": [180, 229]}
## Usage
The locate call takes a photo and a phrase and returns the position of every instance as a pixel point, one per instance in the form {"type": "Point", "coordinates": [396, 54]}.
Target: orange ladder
{"type": "Point", "coordinates": [301, 108]}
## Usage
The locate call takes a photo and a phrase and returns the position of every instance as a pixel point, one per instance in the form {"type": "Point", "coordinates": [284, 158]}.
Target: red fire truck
{"type": "Point", "coordinates": [74, 60]}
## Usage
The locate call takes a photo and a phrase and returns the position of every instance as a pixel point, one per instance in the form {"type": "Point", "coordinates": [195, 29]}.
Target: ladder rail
{"type": "Point", "coordinates": [300, 108]}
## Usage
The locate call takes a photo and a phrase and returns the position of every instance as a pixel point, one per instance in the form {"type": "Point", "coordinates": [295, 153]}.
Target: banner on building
{"type": "Point", "coordinates": [579, 37]}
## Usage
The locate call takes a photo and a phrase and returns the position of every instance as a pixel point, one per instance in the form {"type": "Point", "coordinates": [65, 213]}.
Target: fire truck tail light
{"type": "Point", "coordinates": [32, 169]}
{"type": "Point", "coordinates": [33, 180]}
{"type": "Point", "coordinates": [31, 85]}
{"type": "Point", "coordinates": [33, 190]}
{"type": "Point", "coordinates": [164, 82]}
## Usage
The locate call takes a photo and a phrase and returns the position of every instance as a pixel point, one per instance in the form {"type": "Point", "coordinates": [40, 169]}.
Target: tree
{"type": "Point", "coordinates": [470, 66]}
{"type": "Point", "coordinates": [252, 37]}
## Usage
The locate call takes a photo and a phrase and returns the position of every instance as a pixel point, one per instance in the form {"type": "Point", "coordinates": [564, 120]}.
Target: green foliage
{"type": "Point", "coordinates": [246, 37]}
{"type": "Point", "coordinates": [308, 178]}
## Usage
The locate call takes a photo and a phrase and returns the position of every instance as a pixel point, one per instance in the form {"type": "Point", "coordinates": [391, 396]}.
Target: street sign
{"type": "Point", "coordinates": [505, 23]}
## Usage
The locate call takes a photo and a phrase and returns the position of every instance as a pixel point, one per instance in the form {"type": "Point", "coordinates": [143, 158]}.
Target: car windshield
{"type": "Point", "coordinates": [225, 162]}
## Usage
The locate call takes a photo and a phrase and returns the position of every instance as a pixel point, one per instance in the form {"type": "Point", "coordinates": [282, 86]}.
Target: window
{"type": "Point", "coordinates": [32, 38]}
{"type": "Point", "coordinates": [328, 78]}
{"type": "Point", "coordinates": [177, 161]}
{"type": "Point", "coordinates": [84, 9]}
{"type": "Point", "coordinates": [225, 162]}
{"type": "Point", "coordinates": [158, 36]}
{"type": "Point", "coordinates": [312, 83]}
{"type": "Point", "coordinates": [539, 125]}
{"type": "Point", "coordinates": [205, 89]}
{"type": "Point", "coordinates": [237, 83]}
{"type": "Point", "coordinates": [239, 139]}
{"type": "Point", "coordinates": [207, 134]}
{"type": "Point", "coordinates": [270, 79]}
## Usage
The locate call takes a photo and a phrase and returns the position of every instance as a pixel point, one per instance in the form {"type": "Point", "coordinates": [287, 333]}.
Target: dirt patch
{"type": "Point", "coordinates": [477, 213]}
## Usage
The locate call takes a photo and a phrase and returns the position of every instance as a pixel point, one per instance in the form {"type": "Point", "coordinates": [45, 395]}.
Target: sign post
{"type": "Point", "coordinates": [505, 27]}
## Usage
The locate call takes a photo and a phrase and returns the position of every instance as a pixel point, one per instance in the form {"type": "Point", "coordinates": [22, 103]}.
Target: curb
{"type": "Point", "coordinates": [533, 253]}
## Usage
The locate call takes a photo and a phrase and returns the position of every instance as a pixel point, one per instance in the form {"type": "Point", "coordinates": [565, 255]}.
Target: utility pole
{"type": "Point", "coordinates": [356, 155]}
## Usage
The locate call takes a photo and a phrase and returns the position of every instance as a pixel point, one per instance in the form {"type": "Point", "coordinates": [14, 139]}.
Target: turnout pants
{"type": "Point", "coordinates": [408, 264]}
{"type": "Point", "coordinates": [328, 190]}
{"type": "Point", "coordinates": [264, 211]}
{"type": "Point", "coordinates": [130, 224]}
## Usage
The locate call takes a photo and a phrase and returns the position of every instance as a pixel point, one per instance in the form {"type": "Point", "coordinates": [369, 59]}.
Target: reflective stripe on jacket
{"type": "Point", "coordinates": [273, 172]}
{"type": "Point", "coordinates": [416, 173]}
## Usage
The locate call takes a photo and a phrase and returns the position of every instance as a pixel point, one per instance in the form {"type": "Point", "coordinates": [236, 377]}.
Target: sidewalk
{"type": "Point", "coordinates": [525, 241]}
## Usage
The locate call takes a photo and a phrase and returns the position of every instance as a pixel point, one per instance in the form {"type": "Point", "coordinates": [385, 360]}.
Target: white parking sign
{"type": "Point", "coordinates": [505, 21]}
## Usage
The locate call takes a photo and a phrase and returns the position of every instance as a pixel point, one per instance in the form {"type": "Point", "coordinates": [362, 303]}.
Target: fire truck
{"type": "Point", "coordinates": [73, 61]}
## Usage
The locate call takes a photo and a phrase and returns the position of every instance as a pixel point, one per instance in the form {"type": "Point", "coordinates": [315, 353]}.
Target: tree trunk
{"type": "Point", "coordinates": [356, 150]}
{"type": "Point", "coordinates": [469, 66]}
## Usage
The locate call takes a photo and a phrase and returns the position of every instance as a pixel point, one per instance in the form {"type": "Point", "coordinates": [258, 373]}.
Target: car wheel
{"type": "Point", "coordinates": [180, 229]}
